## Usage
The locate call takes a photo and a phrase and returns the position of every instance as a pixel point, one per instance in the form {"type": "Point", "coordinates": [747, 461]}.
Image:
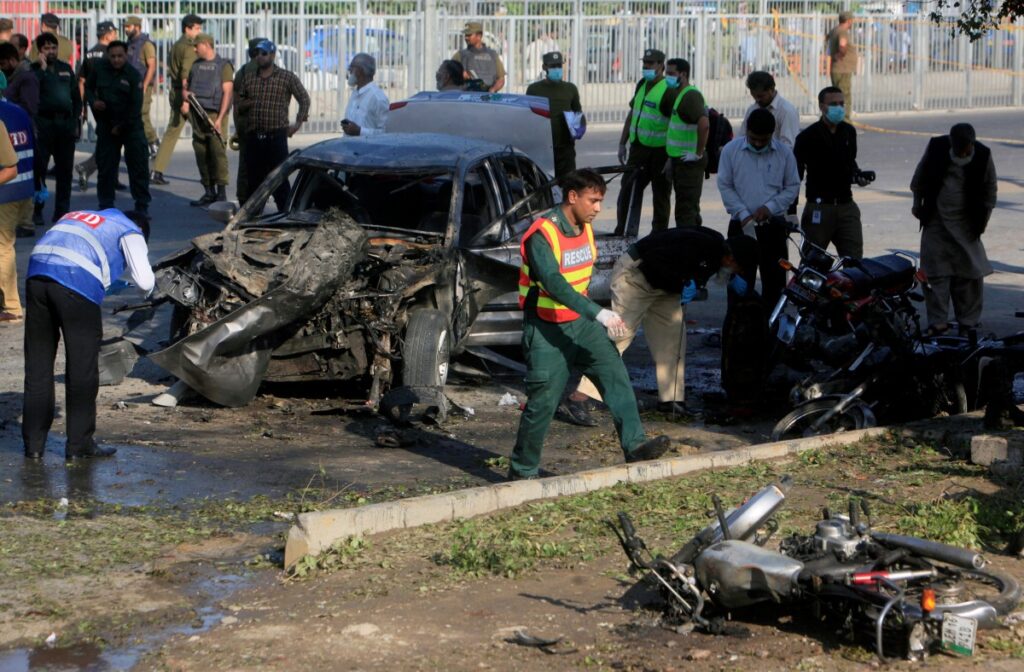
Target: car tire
{"type": "Point", "coordinates": [427, 349]}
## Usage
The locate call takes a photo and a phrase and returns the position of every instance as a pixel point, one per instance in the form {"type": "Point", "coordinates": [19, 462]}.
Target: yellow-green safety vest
{"type": "Point", "coordinates": [647, 125]}
{"type": "Point", "coordinates": [681, 136]}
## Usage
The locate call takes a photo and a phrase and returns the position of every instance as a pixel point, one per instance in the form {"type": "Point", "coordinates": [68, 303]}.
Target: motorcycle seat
{"type": "Point", "coordinates": [890, 273]}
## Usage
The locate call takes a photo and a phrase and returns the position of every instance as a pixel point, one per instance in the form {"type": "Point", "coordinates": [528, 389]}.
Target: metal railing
{"type": "Point", "coordinates": [907, 63]}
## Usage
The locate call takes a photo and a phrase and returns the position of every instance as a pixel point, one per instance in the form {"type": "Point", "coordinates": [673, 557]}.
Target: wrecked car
{"type": "Point", "coordinates": [395, 252]}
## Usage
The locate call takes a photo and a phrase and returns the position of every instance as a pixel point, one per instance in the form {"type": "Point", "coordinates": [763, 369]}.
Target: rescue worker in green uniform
{"type": "Point", "coordinates": [58, 125]}
{"type": "Point", "coordinates": [241, 115]}
{"type": "Point", "coordinates": [50, 23]}
{"type": "Point", "coordinates": [563, 329]}
{"type": "Point", "coordinates": [211, 80]}
{"type": "Point", "coordinates": [643, 137]}
{"type": "Point", "coordinates": [179, 64]}
{"type": "Point", "coordinates": [562, 97]}
{"type": "Point", "coordinates": [685, 141]}
{"type": "Point", "coordinates": [142, 57]}
{"type": "Point", "coordinates": [114, 92]}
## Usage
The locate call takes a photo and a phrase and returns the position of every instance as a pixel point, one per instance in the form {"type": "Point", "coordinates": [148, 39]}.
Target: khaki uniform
{"type": "Point", "coordinates": [183, 55]}
{"type": "Point", "coordinates": [65, 50]}
{"type": "Point", "coordinates": [843, 67]}
{"type": "Point", "coordinates": [211, 154]}
{"type": "Point", "coordinates": [148, 52]}
{"type": "Point", "coordinates": [11, 215]}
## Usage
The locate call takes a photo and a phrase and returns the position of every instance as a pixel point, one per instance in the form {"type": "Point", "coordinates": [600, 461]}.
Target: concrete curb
{"type": "Point", "coordinates": [315, 532]}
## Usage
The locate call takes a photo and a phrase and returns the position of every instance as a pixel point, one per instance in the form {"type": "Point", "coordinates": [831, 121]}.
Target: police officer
{"type": "Point", "coordinates": [58, 125]}
{"type": "Point", "coordinates": [241, 116]}
{"type": "Point", "coordinates": [114, 91]}
{"type": "Point", "coordinates": [643, 135]}
{"type": "Point", "coordinates": [65, 47]}
{"type": "Point", "coordinates": [562, 97]}
{"type": "Point", "coordinates": [211, 80]}
{"type": "Point", "coordinates": [142, 57]}
{"type": "Point", "coordinates": [179, 64]}
{"type": "Point", "coordinates": [685, 140]}
{"type": "Point", "coordinates": [106, 33]}
{"type": "Point", "coordinates": [70, 269]}
{"type": "Point", "coordinates": [16, 145]}
{"type": "Point", "coordinates": [484, 69]}
{"type": "Point", "coordinates": [562, 328]}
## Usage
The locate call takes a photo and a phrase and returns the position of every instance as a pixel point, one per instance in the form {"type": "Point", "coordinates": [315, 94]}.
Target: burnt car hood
{"type": "Point", "coordinates": [226, 361]}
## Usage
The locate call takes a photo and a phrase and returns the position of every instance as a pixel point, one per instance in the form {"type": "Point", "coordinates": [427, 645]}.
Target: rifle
{"type": "Point", "coordinates": [202, 118]}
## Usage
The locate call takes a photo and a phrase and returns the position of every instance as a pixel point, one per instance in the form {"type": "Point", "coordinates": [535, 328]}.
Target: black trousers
{"type": "Point", "coordinates": [51, 309]}
{"type": "Point", "coordinates": [647, 164]}
{"type": "Point", "coordinates": [771, 242]}
{"type": "Point", "coordinates": [108, 159]}
{"type": "Point", "coordinates": [55, 138]}
{"type": "Point", "coordinates": [265, 151]}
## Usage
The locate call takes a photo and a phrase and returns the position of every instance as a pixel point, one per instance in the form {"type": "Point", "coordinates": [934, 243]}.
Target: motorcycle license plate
{"type": "Point", "coordinates": [802, 293]}
{"type": "Point", "coordinates": [958, 634]}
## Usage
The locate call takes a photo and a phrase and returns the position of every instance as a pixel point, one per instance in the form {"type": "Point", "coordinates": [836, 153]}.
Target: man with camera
{"type": "Point", "coordinates": [826, 152]}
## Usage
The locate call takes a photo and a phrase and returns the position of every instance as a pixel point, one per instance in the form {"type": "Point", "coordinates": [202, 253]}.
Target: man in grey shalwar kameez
{"type": "Point", "coordinates": [954, 193]}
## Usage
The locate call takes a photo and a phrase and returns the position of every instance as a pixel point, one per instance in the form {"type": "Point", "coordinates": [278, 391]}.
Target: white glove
{"type": "Point", "coordinates": [690, 157]}
{"type": "Point", "coordinates": [612, 321]}
{"type": "Point", "coordinates": [623, 153]}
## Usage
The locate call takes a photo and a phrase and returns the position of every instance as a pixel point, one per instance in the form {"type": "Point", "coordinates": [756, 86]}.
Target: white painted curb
{"type": "Point", "coordinates": [314, 532]}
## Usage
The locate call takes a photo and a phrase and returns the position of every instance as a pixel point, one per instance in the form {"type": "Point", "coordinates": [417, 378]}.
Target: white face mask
{"type": "Point", "coordinates": [352, 79]}
{"type": "Point", "coordinates": [958, 161]}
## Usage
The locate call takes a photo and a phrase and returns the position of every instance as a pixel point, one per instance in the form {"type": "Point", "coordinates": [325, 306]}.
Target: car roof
{"type": "Point", "coordinates": [402, 151]}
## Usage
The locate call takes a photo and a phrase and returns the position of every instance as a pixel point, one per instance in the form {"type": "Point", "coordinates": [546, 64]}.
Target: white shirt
{"type": "Point", "coordinates": [368, 107]}
{"type": "Point", "coordinates": [136, 256]}
{"type": "Point", "coordinates": [747, 180]}
{"type": "Point", "coordinates": [787, 120]}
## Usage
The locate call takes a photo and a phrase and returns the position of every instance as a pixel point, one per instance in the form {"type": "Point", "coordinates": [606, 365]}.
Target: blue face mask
{"type": "Point", "coordinates": [835, 113]}
{"type": "Point", "coordinates": [555, 74]}
{"type": "Point", "coordinates": [758, 150]}
{"type": "Point", "coordinates": [648, 74]}
{"type": "Point", "coordinates": [671, 81]}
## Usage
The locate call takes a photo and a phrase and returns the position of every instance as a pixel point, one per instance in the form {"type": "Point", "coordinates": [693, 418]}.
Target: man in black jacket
{"type": "Point", "coordinates": [954, 193]}
{"type": "Point", "coordinates": [651, 285]}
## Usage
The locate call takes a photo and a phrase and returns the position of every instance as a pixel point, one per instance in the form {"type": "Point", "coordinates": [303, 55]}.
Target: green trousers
{"type": "Point", "coordinates": [551, 350]}
{"type": "Point", "coordinates": [844, 82]}
{"type": "Point", "coordinates": [688, 183]}
{"type": "Point", "coordinates": [147, 123]}
{"type": "Point", "coordinates": [211, 155]}
{"type": "Point", "coordinates": [647, 165]}
{"type": "Point", "coordinates": [175, 123]}
{"type": "Point", "coordinates": [565, 160]}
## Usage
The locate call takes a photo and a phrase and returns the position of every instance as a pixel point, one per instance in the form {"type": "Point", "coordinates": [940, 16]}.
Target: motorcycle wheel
{"type": "Point", "coordinates": [798, 423]}
{"type": "Point", "coordinates": [997, 589]}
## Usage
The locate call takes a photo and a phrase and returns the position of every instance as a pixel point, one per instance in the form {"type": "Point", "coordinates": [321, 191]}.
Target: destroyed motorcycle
{"type": "Point", "coordinates": [889, 591]}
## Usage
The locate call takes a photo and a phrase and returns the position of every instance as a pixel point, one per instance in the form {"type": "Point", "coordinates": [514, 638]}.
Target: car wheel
{"type": "Point", "coordinates": [427, 349]}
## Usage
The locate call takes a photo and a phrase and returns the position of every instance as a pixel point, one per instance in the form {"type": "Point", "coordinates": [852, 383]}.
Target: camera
{"type": "Point", "coordinates": [866, 175]}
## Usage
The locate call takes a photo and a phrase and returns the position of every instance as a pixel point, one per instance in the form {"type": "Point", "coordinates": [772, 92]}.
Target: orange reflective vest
{"type": "Point", "coordinates": [576, 256]}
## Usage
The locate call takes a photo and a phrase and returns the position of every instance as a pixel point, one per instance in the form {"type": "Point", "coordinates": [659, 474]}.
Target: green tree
{"type": "Point", "coordinates": [976, 17]}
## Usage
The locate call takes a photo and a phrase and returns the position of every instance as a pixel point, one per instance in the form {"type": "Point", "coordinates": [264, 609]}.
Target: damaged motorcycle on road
{"type": "Point", "coordinates": [890, 591]}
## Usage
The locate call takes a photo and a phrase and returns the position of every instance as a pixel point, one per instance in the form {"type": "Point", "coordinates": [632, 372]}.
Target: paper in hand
{"type": "Point", "coordinates": [576, 125]}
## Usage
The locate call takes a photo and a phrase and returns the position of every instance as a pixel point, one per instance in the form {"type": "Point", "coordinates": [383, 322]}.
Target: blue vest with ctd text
{"type": "Point", "coordinates": [19, 127]}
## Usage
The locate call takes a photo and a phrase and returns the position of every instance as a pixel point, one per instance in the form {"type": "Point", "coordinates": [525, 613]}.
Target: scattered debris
{"type": "Point", "coordinates": [508, 399]}
{"type": "Point", "coordinates": [119, 406]}
{"type": "Point", "coordinates": [546, 645]}
{"type": "Point", "coordinates": [698, 654]}
{"type": "Point", "coordinates": [173, 395]}
{"type": "Point", "coordinates": [52, 639]}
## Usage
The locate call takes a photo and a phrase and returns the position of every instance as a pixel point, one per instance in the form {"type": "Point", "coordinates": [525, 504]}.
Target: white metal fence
{"type": "Point", "coordinates": [907, 62]}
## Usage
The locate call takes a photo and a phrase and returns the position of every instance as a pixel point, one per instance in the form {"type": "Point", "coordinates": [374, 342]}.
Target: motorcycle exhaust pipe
{"type": "Point", "coordinates": [952, 555]}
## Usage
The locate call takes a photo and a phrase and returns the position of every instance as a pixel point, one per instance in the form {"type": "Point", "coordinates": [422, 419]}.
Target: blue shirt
{"type": "Point", "coordinates": [747, 180]}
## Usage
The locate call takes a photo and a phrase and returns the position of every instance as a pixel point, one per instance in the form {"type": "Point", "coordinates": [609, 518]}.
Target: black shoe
{"type": "Point", "coordinates": [222, 193]}
{"type": "Point", "coordinates": [576, 413]}
{"type": "Point", "coordinates": [83, 178]}
{"type": "Point", "coordinates": [24, 232]}
{"type": "Point", "coordinates": [37, 216]}
{"type": "Point", "coordinates": [513, 476]}
{"type": "Point", "coordinates": [651, 449]}
{"type": "Point", "coordinates": [677, 408]}
{"type": "Point", "coordinates": [209, 197]}
{"type": "Point", "coordinates": [33, 455]}
{"type": "Point", "coordinates": [158, 178]}
{"type": "Point", "coordinates": [94, 450]}
{"type": "Point", "coordinates": [121, 187]}
{"type": "Point", "coordinates": [153, 148]}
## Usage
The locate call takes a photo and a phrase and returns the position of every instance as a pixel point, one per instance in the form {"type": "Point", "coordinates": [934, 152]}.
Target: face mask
{"type": "Point", "coordinates": [648, 74]}
{"type": "Point", "coordinates": [555, 74]}
{"type": "Point", "coordinates": [960, 161]}
{"type": "Point", "coordinates": [352, 79]}
{"type": "Point", "coordinates": [758, 150]}
{"type": "Point", "coordinates": [835, 113]}
{"type": "Point", "coordinates": [672, 81]}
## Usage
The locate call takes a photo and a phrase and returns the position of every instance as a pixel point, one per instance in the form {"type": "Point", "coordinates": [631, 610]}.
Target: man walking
{"type": "Point", "coordinates": [562, 97]}
{"type": "Point", "coordinates": [826, 152]}
{"type": "Point", "coordinates": [105, 34]}
{"type": "Point", "coordinates": [179, 64]}
{"type": "Point", "coordinates": [954, 189]}
{"type": "Point", "coordinates": [50, 24]}
{"type": "Point", "coordinates": [114, 92]}
{"type": "Point", "coordinates": [787, 120]}
{"type": "Point", "coordinates": [16, 143]}
{"type": "Point", "coordinates": [651, 285]}
{"type": "Point", "coordinates": [69, 272]}
{"type": "Point", "coordinates": [842, 58]}
{"type": "Point", "coordinates": [367, 109]}
{"type": "Point", "coordinates": [758, 179]}
{"type": "Point", "coordinates": [58, 125]}
{"type": "Point", "coordinates": [142, 57]}
{"type": "Point", "coordinates": [563, 329]}
{"type": "Point", "coordinates": [484, 69]}
{"type": "Point", "coordinates": [211, 80]}
{"type": "Point", "coordinates": [685, 140]}
{"type": "Point", "coordinates": [264, 96]}
{"type": "Point", "coordinates": [644, 137]}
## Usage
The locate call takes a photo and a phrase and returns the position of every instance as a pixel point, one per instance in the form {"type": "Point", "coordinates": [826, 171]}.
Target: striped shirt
{"type": "Point", "coordinates": [271, 97]}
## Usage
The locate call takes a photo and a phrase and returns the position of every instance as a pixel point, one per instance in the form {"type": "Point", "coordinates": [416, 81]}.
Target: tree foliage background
{"type": "Point", "coordinates": [977, 17]}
